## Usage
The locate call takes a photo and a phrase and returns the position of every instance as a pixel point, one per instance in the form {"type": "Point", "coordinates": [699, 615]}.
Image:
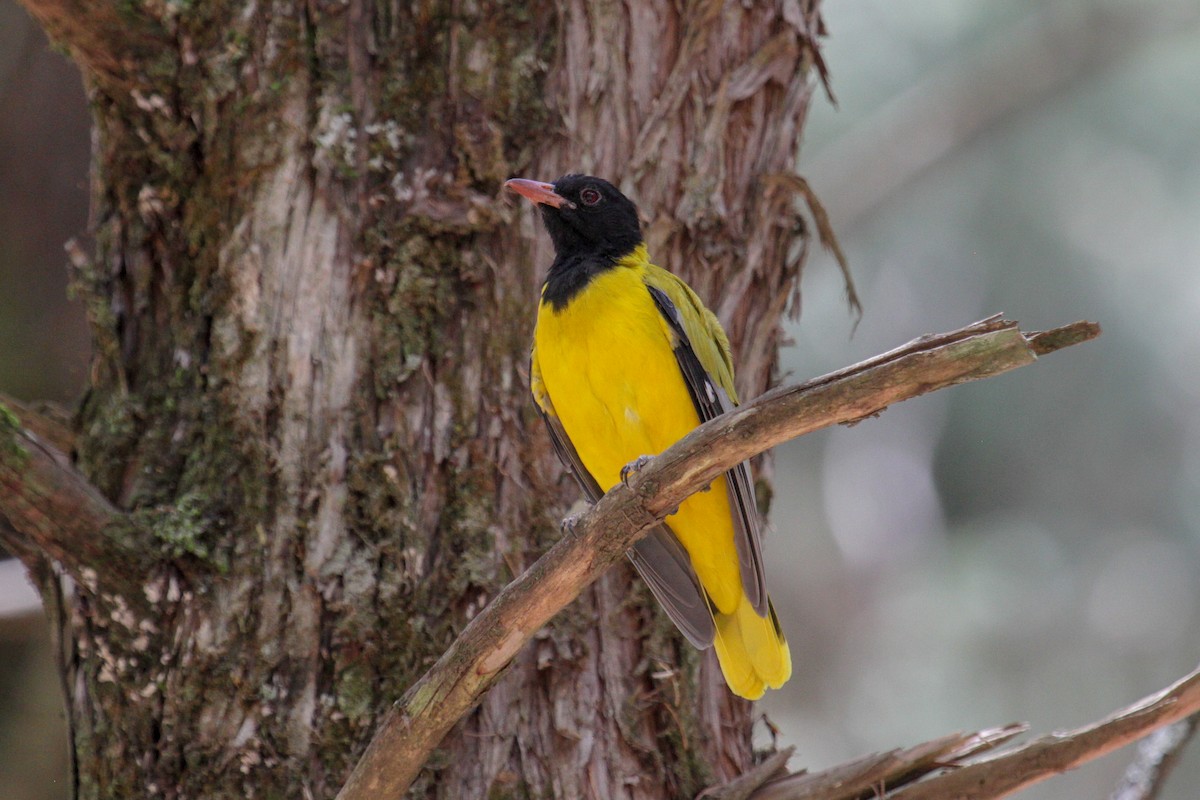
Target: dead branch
{"type": "Point", "coordinates": [942, 770]}
{"type": "Point", "coordinates": [53, 512]}
{"type": "Point", "coordinates": [415, 725]}
{"type": "Point", "coordinates": [1005, 773]}
{"type": "Point", "coordinates": [746, 785]}
{"type": "Point", "coordinates": [869, 775]}
{"type": "Point", "coordinates": [106, 39]}
{"type": "Point", "coordinates": [48, 420]}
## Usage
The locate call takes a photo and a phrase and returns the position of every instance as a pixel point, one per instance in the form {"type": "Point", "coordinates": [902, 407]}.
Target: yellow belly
{"type": "Point", "coordinates": [607, 364]}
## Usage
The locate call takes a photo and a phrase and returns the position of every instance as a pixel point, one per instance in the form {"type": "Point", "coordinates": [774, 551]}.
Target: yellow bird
{"type": "Point", "coordinates": [626, 361]}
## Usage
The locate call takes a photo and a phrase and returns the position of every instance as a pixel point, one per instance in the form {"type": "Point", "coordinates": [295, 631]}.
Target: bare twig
{"type": "Point", "coordinates": [54, 512]}
{"type": "Point", "coordinates": [48, 420]}
{"type": "Point", "coordinates": [1006, 773]}
{"type": "Point", "coordinates": [746, 785]}
{"type": "Point", "coordinates": [909, 774]}
{"type": "Point", "coordinates": [1157, 755]}
{"type": "Point", "coordinates": [106, 39]}
{"type": "Point", "coordinates": [416, 724]}
{"type": "Point", "coordinates": [870, 774]}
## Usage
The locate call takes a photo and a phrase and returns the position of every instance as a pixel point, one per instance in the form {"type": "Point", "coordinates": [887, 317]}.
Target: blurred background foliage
{"type": "Point", "coordinates": [1026, 548]}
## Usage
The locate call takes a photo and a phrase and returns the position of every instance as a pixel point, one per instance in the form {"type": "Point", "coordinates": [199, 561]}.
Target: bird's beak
{"type": "Point", "coordinates": [538, 192]}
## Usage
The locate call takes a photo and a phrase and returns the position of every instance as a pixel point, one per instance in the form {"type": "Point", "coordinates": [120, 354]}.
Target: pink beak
{"type": "Point", "coordinates": [538, 192]}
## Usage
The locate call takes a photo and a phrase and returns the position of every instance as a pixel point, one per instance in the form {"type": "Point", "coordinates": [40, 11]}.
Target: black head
{"type": "Point", "coordinates": [585, 216]}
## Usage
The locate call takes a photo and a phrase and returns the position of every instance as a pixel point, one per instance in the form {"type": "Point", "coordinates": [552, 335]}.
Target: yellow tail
{"type": "Point", "coordinates": [752, 650]}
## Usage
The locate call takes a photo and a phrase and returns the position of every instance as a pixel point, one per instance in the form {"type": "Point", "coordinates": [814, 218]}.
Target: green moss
{"type": "Point", "coordinates": [9, 422]}
{"type": "Point", "coordinates": [10, 428]}
{"type": "Point", "coordinates": [109, 434]}
{"type": "Point", "coordinates": [182, 529]}
{"type": "Point", "coordinates": [355, 693]}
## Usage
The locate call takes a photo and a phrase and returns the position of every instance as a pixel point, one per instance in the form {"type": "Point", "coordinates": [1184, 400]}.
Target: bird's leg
{"type": "Point", "coordinates": [634, 467]}
{"type": "Point", "coordinates": [571, 521]}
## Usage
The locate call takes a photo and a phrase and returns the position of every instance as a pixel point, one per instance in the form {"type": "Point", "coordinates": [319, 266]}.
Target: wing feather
{"type": "Point", "coordinates": [711, 399]}
{"type": "Point", "coordinates": [658, 557]}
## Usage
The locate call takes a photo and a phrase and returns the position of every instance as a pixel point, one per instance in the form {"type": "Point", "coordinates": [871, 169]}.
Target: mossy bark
{"type": "Point", "coordinates": [312, 309]}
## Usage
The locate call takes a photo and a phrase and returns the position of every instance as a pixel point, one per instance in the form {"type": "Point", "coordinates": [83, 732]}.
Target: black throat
{"type": "Point", "coordinates": [592, 229]}
{"type": "Point", "coordinates": [571, 273]}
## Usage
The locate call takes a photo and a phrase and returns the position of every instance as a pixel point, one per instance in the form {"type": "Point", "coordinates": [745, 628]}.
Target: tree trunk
{"type": "Point", "coordinates": [311, 310]}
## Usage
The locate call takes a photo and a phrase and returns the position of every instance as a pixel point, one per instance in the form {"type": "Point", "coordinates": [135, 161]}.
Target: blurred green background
{"type": "Point", "coordinates": [1025, 548]}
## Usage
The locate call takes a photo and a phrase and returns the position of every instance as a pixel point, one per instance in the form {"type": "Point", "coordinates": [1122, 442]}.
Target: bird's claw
{"type": "Point", "coordinates": [634, 467]}
{"type": "Point", "coordinates": [570, 522]}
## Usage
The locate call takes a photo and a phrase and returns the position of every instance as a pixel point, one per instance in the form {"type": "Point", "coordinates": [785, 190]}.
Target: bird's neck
{"type": "Point", "coordinates": [573, 271]}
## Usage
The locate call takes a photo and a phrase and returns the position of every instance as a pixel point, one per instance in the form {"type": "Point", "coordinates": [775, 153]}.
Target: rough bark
{"type": "Point", "coordinates": [311, 316]}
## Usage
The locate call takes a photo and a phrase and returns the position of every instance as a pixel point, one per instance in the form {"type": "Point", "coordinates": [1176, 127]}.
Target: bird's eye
{"type": "Point", "coordinates": [590, 196]}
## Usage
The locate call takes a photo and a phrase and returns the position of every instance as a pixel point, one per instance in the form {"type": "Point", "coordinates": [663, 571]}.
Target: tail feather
{"type": "Point", "coordinates": [752, 650]}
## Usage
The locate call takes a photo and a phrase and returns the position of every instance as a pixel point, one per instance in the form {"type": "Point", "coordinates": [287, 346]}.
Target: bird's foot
{"type": "Point", "coordinates": [571, 521]}
{"type": "Point", "coordinates": [634, 467]}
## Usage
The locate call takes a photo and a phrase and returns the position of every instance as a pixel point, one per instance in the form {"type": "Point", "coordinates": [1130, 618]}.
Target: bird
{"type": "Point", "coordinates": [626, 360]}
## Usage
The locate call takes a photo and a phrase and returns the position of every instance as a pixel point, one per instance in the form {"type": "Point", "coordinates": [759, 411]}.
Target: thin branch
{"type": "Point", "coordinates": [746, 785]}
{"type": "Point", "coordinates": [106, 39]}
{"type": "Point", "coordinates": [415, 725]}
{"type": "Point", "coordinates": [48, 420]}
{"type": "Point", "coordinates": [909, 774]}
{"type": "Point", "coordinates": [1007, 773]}
{"type": "Point", "coordinates": [53, 512]}
{"type": "Point", "coordinates": [1157, 755]}
{"type": "Point", "coordinates": [868, 775]}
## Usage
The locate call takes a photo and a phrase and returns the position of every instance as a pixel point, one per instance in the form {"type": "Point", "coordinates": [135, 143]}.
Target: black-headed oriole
{"type": "Point", "coordinates": [626, 361]}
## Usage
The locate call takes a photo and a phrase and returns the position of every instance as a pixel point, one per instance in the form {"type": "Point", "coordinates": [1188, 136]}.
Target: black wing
{"type": "Point", "coordinates": [711, 401]}
{"type": "Point", "coordinates": [658, 557]}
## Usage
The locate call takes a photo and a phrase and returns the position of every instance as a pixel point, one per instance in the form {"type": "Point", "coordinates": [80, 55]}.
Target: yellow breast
{"type": "Point", "coordinates": [607, 364]}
